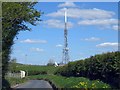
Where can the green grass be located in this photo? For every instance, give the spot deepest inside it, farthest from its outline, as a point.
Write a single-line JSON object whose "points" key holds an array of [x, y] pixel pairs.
{"points": [[33, 68], [58, 81], [72, 82], [14, 81]]}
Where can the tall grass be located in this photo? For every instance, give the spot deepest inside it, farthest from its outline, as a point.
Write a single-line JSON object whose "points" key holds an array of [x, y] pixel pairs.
{"points": [[15, 81]]}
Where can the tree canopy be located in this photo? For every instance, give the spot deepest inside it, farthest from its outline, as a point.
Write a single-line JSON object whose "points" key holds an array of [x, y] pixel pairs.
{"points": [[15, 15]]}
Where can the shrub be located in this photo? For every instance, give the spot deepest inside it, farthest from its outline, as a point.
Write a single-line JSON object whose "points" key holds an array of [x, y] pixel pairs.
{"points": [[36, 73], [104, 67]]}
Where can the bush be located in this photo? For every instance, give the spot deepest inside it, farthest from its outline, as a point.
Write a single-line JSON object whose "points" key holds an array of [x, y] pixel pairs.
{"points": [[104, 67], [36, 73]]}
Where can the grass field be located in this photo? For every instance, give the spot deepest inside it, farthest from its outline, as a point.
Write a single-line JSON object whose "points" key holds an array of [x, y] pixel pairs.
{"points": [[34, 68]]}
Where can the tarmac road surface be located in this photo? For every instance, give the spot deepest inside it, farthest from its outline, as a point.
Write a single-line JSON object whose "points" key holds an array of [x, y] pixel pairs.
{"points": [[34, 85]]}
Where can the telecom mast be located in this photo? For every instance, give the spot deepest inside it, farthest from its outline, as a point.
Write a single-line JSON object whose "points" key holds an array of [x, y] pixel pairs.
{"points": [[65, 58]]}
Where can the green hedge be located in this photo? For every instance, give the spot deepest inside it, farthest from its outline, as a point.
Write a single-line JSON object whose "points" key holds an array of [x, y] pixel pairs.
{"points": [[36, 73], [105, 67]]}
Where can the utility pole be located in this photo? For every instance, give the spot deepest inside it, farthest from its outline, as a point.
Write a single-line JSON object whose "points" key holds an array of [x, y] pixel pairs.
{"points": [[26, 59], [26, 64]]}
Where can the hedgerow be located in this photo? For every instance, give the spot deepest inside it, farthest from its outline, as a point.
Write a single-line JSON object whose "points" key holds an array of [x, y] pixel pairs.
{"points": [[102, 66]]}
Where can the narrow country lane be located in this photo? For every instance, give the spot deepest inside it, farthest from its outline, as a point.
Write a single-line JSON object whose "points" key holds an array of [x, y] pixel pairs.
{"points": [[36, 84]]}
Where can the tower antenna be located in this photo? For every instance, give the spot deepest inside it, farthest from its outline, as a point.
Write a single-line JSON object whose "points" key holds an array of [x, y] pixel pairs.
{"points": [[65, 58]]}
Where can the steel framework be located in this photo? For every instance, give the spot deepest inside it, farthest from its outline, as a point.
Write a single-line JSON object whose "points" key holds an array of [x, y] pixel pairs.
{"points": [[65, 57]]}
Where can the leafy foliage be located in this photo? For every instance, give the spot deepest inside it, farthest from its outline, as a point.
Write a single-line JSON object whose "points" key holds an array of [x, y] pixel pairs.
{"points": [[15, 17], [104, 67], [51, 62]]}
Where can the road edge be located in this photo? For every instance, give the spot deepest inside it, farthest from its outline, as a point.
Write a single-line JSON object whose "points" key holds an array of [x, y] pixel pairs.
{"points": [[54, 87]]}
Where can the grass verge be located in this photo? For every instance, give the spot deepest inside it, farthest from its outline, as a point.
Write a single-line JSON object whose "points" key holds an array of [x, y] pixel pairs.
{"points": [[71, 82], [15, 81]]}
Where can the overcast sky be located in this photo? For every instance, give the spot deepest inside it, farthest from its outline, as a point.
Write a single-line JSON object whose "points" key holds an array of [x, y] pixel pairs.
{"points": [[92, 29]]}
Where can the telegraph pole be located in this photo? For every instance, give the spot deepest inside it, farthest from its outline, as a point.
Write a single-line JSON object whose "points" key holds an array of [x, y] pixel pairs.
{"points": [[26, 59], [26, 64]]}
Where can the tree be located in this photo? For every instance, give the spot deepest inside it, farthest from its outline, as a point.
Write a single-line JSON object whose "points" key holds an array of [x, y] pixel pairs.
{"points": [[15, 15], [12, 64], [51, 62], [14, 60]]}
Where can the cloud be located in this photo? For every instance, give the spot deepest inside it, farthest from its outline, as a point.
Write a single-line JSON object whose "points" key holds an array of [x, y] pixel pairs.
{"points": [[115, 27], [59, 45], [83, 13], [33, 41], [91, 16], [91, 39], [104, 23], [54, 23], [67, 4], [107, 44], [99, 22], [37, 49]]}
